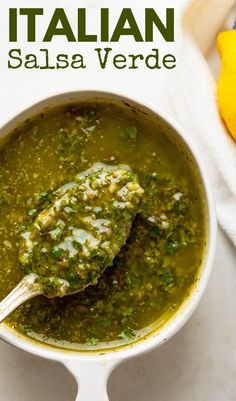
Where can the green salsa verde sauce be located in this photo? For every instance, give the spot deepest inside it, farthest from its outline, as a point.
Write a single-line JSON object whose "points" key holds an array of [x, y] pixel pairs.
{"points": [[79, 231], [156, 268]]}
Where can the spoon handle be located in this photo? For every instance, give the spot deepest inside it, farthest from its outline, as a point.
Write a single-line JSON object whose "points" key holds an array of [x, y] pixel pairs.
{"points": [[21, 293]]}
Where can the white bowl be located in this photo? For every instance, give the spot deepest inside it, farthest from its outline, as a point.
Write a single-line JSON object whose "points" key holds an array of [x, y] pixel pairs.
{"points": [[92, 369]]}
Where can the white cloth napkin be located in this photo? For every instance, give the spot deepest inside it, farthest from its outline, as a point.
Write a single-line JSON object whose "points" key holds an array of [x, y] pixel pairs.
{"points": [[193, 97]]}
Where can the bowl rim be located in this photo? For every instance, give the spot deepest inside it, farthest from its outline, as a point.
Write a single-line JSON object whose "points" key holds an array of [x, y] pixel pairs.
{"points": [[187, 308]]}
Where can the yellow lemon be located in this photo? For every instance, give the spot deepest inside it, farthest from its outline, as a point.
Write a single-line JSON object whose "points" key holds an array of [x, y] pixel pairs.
{"points": [[226, 93]]}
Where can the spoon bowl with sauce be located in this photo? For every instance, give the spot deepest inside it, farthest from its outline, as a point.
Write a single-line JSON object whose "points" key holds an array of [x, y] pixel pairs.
{"points": [[77, 235]]}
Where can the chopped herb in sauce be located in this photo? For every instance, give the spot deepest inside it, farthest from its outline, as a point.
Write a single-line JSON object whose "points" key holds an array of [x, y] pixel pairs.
{"points": [[158, 264], [68, 246]]}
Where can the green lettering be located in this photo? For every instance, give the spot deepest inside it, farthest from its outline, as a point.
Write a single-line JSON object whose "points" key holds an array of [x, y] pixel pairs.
{"points": [[78, 61], [103, 60], [17, 57], [47, 65], [167, 30], [135, 57], [82, 35], [155, 58], [104, 25], [119, 58], [169, 58], [133, 30], [62, 61], [59, 16], [13, 25], [31, 14], [31, 61]]}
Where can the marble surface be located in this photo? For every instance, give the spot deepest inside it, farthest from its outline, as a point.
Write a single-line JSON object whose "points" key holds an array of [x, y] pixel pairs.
{"points": [[198, 364]]}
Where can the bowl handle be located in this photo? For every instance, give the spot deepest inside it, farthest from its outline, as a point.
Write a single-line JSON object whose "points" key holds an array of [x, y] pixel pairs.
{"points": [[92, 378]]}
